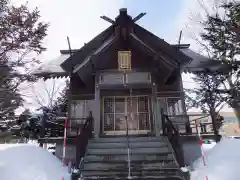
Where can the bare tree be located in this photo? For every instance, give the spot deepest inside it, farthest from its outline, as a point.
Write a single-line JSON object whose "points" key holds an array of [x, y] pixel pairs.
{"points": [[48, 92], [219, 40]]}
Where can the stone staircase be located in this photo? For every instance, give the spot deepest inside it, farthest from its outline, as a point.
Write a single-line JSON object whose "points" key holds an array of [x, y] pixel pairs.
{"points": [[150, 158]]}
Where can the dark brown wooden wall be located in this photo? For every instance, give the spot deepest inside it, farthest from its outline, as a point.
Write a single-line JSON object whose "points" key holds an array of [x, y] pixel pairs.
{"points": [[81, 91], [109, 59]]}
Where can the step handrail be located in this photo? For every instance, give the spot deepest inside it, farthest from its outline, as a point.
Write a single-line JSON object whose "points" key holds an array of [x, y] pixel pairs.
{"points": [[173, 136], [82, 139]]}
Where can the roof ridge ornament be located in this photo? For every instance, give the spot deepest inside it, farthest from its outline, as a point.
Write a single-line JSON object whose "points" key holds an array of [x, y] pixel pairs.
{"points": [[122, 12], [139, 17], [108, 19]]}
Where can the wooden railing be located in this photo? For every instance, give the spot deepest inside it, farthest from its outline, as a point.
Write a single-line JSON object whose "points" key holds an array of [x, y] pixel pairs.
{"points": [[56, 128], [82, 139], [75, 126], [173, 136], [192, 124]]}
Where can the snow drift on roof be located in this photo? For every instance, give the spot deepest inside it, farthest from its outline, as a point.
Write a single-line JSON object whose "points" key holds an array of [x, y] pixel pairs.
{"points": [[223, 162], [53, 66], [28, 162], [194, 55]]}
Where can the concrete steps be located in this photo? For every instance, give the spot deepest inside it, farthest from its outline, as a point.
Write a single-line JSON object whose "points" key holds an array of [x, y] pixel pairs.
{"points": [[139, 178], [134, 159], [132, 144], [150, 158], [130, 139], [121, 166], [121, 151], [124, 175]]}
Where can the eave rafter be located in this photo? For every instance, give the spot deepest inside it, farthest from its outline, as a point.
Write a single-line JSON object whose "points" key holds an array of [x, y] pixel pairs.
{"points": [[102, 48]]}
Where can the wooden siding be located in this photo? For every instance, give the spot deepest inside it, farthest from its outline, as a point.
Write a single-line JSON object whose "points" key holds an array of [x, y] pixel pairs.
{"points": [[138, 77], [130, 77], [111, 78], [80, 90]]}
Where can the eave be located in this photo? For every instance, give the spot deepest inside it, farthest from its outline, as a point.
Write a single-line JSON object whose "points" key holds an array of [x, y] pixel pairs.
{"points": [[163, 59], [52, 69], [46, 76], [160, 45], [87, 60], [80, 55], [201, 63]]}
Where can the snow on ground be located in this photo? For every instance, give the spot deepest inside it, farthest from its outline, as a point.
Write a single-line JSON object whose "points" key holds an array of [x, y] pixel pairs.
{"points": [[207, 147], [9, 145], [223, 162], [29, 162]]}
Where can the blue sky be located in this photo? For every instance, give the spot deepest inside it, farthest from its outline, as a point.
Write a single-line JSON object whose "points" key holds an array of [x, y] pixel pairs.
{"points": [[80, 20], [161, 17]]}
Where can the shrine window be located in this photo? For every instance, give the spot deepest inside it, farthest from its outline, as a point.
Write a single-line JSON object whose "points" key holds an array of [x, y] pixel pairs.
{"points": [[124, 60]]}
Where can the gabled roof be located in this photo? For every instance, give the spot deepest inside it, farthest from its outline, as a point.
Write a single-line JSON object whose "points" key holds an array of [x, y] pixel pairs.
{"points": [[169, 55], [164, 50], [164, 60], [160, 45], [198, 63], [103, 46], [202, 63], [79, 56]]}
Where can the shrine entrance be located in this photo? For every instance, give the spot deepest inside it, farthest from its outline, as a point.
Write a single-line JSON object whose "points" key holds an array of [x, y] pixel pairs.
{"points": [[125, 112]]}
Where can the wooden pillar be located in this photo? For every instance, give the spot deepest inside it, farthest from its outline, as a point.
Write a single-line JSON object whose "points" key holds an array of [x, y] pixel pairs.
{"points": [[161, 110], [69, 115], [186, 119], [97, 109], [156, 110], [182, 96]]}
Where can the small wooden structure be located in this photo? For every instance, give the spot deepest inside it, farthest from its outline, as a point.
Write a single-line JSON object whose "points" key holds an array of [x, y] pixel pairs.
{"points": [[130, 80]]}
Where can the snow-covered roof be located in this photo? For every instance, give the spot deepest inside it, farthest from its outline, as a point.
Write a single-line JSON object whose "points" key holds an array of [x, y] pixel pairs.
{"points": [[194, 55], [200, 62], [52, 66]]}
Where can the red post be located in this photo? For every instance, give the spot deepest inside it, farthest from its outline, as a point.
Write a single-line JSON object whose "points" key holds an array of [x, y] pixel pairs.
{"points": [[201, 146]]}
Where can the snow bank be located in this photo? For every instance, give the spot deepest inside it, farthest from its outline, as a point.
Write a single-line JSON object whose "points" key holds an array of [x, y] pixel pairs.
{"points": [[9, 145], [223, 162], [28, 162], [6, 146], [207, 147]]}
